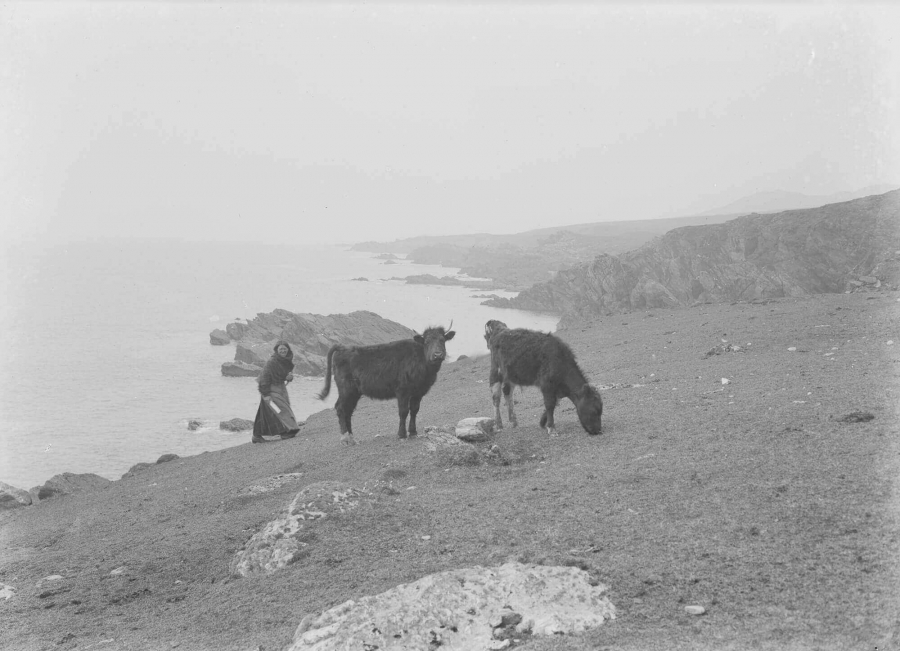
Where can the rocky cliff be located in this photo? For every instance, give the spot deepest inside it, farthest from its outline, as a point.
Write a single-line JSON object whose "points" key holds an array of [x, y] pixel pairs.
{"points": [[310, 337], [792, 253]]}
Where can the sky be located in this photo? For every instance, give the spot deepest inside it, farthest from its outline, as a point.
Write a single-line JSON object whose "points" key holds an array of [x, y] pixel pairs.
{"points": [[313, 122]]}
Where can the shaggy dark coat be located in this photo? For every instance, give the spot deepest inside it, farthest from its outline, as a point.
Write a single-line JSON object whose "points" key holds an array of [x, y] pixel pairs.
{"points": [[404, 370], [528, 358]]}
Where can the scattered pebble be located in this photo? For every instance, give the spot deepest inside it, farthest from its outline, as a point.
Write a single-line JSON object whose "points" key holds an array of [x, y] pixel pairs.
{"points": [[890, 342], [725, 380], [52, 577], [7, 592], [694, 610], [792, 348], [118, 571], [426, 537]]}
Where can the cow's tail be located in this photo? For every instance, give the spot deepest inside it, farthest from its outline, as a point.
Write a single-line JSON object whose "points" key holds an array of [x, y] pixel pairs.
{"points": [[327, 388]]}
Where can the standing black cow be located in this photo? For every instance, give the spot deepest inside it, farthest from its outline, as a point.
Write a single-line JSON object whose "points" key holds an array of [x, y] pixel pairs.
{"points": [[403, 369], [528, 358]]}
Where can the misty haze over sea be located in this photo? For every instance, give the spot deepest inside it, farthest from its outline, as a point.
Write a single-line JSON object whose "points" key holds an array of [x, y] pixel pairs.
{"points": [[108, 351]]}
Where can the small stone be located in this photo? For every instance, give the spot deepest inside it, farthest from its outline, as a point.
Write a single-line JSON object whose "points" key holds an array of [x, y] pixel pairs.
{"points": [[792, 348], [52, 577], [118, 571], [7, 592], [694, 610], [890, 342], [426, 537], [725, 380]]}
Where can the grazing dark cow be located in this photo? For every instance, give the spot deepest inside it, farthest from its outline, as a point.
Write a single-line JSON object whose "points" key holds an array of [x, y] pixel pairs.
{"points": [[403, 369], [528, 358]]}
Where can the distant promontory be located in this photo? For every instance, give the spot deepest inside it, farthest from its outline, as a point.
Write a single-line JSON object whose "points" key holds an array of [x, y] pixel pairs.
{"points": [[310, 337], [834, 248]]}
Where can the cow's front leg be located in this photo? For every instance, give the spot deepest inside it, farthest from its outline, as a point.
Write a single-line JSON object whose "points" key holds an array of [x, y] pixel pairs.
{"points": [[414, 403], [403, 409], [510, 400], [547, 416]]}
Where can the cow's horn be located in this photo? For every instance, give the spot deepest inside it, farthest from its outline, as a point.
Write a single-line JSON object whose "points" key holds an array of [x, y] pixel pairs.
{"points": [[450, 327]]}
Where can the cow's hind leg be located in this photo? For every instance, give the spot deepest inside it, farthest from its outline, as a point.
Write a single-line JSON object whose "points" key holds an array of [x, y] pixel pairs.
{"points": [[414, 403], [549, 407], [510, 401], [496, 388], [344, 406]]}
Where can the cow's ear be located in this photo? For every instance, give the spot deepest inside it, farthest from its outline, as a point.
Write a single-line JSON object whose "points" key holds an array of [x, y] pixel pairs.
{"points": [[419, 339], [449, 335]]}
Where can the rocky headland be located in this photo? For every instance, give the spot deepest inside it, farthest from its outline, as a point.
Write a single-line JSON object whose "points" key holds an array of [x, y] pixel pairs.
{"points": [[310, 337], [835, 248]]}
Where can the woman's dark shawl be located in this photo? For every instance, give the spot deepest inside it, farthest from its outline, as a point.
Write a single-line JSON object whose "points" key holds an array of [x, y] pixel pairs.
{"points": [[276, 369]]}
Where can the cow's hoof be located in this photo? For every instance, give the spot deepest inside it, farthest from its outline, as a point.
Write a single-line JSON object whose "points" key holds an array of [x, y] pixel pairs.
{"points": [[412, 434], [552, 432], [348, 441]]}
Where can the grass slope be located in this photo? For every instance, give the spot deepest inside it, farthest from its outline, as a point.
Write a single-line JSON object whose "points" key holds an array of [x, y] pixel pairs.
{"points": [[749, 498]]}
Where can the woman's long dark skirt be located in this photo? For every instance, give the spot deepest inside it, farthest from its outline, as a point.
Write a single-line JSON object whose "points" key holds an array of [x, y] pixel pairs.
{"points": [[270, 423]]}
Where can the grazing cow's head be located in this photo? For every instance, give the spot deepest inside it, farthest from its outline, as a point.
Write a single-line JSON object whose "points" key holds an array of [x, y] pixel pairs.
{"points": [[433, 339], [589, 406], [492, 327]]}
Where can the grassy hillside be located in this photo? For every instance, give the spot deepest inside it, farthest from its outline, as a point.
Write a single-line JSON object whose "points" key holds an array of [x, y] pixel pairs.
{"points": [[750, 498]]}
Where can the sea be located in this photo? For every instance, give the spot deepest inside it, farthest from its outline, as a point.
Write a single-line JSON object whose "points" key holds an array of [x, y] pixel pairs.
{"points": [[107, 352]]}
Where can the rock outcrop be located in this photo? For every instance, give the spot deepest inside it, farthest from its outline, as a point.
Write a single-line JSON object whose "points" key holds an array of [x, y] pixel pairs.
{"points": [[68, 482], [310, 337], [462, 610], [793, 253], [12, 497], [236, 425], [284, 540]]}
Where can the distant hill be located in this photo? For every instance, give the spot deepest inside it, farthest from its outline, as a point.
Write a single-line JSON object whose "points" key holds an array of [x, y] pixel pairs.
{"points": [[778, 201], [831, 248]]}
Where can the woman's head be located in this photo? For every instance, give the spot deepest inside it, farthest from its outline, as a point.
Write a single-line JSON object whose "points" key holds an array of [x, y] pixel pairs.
{"points": [[282, 349]]}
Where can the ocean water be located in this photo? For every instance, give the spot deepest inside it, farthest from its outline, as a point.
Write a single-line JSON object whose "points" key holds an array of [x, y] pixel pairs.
{"points": [[108, 353]]}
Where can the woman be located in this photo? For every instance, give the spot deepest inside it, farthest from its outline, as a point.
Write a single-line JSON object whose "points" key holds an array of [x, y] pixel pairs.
{"points": [[274, 416]]}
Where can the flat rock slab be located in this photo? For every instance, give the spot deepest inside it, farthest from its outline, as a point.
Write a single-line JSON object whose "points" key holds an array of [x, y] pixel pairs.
{"points": [[475, 429], [12, 497], [468, 609], [283, 540]]}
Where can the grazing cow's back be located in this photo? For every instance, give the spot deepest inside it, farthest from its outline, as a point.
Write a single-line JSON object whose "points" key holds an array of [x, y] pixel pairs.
{"points": [[404, 370], [529, 358]]}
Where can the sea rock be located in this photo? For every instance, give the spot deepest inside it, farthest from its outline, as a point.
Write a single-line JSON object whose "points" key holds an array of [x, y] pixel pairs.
{"points": [[68, 482], [283, 541], [236, 425], [12, 497], [310, 337], [194, 424], [240, 369], [219, 338], [459, 610], [167, 457], [473, 430]]}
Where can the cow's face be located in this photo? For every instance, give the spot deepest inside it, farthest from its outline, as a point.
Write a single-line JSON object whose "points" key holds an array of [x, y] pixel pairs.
{"points": [[433, 339], [491, 328], [589, 406]]}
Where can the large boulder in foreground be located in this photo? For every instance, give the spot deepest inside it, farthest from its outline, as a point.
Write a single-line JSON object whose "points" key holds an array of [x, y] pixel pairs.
{"points": [[68, 482], [462, 610], [310, 337]]}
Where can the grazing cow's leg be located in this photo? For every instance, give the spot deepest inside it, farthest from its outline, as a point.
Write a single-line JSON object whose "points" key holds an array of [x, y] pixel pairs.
{"points": [[403, 409], [344, 406], [508, 396], [549, 407], [495, 396], [414, 403]]}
